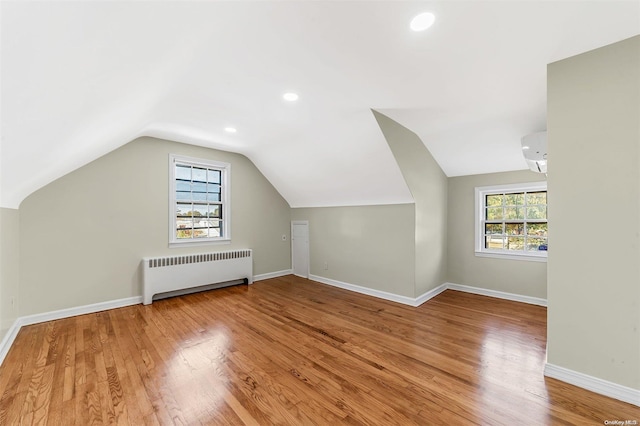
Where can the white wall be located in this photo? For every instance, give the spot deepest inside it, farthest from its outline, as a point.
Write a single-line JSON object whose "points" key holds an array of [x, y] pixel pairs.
{"points": [[511, 276], [369, 246], [594, 213], [82, 236], [428, 185], [9, 271]]}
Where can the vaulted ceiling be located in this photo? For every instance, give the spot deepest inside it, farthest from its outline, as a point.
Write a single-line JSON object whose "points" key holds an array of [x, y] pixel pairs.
{"points": [[80, 79]]}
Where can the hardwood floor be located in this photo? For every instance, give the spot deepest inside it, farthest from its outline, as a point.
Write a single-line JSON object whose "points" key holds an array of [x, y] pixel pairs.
{"points": [[291, 351]]}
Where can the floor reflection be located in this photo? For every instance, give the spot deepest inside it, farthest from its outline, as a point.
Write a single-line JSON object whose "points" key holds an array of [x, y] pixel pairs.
{"points": [[198, 371], [512, 361]]}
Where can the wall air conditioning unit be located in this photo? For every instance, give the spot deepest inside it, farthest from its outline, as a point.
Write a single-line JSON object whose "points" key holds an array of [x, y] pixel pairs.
{"points": [[534, 148]]}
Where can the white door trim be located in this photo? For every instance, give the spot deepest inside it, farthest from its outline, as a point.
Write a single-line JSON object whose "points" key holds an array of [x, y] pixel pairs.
{"points": [[300, 222]]}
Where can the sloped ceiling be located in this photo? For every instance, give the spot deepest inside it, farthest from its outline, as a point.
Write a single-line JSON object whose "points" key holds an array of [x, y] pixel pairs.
{"points": [[80, 79]]}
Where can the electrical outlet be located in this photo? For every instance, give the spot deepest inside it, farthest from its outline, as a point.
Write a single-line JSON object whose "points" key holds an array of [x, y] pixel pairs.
{"points": [[326, 265]]}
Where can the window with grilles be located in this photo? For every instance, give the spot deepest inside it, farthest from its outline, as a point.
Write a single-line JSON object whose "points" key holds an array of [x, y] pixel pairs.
{"points": [[199, 201], [512, 220]]}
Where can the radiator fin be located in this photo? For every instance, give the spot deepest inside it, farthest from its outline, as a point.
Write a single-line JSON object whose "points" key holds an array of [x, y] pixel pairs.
{"points": [[160, 262]]}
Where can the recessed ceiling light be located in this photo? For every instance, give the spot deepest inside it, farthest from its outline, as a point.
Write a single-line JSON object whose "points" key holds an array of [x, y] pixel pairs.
{"points": [[230, 129], [524, 147], [422, 21], [290, 96]]}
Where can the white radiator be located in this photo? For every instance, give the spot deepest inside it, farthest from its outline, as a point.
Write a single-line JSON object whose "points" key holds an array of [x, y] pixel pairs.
{"points": [[167, 274]]}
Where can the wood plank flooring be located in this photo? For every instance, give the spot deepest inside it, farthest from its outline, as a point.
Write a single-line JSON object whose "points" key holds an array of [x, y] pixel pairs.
{"points": [[291, 351]]}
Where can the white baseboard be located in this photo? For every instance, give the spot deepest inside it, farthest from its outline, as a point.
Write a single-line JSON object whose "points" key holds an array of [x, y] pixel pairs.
{"points": [[594, 384], [429, 294], [79, 310], [364, 290], [405, 300], [498, 294], [8, 339], [269, 275]]}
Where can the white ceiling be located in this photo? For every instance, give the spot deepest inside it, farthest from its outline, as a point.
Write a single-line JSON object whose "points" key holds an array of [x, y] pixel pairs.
{"points": [[80, 79]]}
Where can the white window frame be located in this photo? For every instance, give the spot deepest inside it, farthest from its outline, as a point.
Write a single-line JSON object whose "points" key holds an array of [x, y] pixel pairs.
{"points": [[225, 198], [480, 250]]}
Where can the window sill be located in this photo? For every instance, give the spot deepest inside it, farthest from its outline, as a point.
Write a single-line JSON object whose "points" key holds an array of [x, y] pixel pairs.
{"points": [[513, 256], [177, 244]]}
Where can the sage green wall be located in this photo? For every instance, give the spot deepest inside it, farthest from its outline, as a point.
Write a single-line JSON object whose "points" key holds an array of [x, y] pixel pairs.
{"points": [[9, 270], [370, 246], [428, 185], [594, 213], [511, 276], [82, 237]]}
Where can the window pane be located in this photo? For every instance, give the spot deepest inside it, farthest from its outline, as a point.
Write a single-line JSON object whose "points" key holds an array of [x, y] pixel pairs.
{"points": [[200, 210], [183, 196], [184, 233], [537, 198], [199, 174], [214, 211], [215, 223], [213, 196], [213, 188], [493, 228], [494, 213], [494, 200], [213, 176], [214, 232], [199, 223], [182, 185], [200, 233], [183, 172], [537, 229], [514, 199], [533, 244], [183, 209], [184, 222], [515, 228], [183, 227], [514, 213], [515, 243], [493, 242], [199, 187], [537, 212], [199, 196]]}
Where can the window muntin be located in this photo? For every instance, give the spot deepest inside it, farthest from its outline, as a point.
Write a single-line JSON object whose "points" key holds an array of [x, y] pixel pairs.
{"points": [[512, 220], [199, 201]]}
